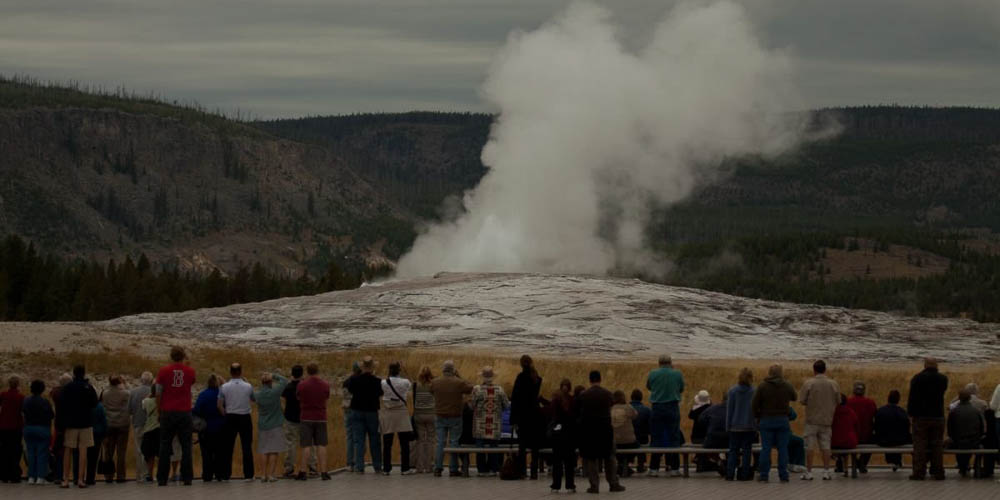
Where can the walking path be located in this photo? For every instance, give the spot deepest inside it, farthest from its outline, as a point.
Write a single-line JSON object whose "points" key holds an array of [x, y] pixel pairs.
{"points": [[883, 485]]}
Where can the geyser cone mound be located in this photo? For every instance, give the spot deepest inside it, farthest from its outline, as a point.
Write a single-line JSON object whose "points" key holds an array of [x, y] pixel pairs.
{"points": [[573, 315]]}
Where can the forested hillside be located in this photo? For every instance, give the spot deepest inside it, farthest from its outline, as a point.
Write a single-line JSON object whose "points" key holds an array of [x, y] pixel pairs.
{"points": [[900, 211]]}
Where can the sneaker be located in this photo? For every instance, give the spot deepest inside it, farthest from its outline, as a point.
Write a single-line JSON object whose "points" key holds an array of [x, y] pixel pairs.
{"points": [[570, 490], [675, 473], [385, 473], [31, 481], [483, 474], [325, 476], [42, 482], [827, 476], [617, 488], [554, 491], [895, 467], [407, 472], [784, 480], [808, 476], [653, 473], [249, 480]]}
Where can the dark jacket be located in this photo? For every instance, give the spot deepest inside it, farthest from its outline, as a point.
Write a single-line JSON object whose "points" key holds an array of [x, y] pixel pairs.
{"points": [[641, 422], [892, 426], [37, 411], [597, 439], [966, 425], [77, 401], [739, 409], [697, 428], [293, 412], [714, 419], [926, 399], [366, 391], [99, 418], [524, 409], [772, 397]]}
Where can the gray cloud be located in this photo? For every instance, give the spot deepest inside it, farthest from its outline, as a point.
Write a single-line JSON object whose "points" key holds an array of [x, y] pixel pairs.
{"points": [[296, 57]]}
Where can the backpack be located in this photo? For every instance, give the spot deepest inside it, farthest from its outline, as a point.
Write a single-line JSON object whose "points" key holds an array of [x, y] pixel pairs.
{"points": [[509, 470]]}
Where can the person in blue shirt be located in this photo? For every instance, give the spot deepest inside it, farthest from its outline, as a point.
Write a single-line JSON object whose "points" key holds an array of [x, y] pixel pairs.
{"points": [[666, 386], [206, 409], [741, 426]]}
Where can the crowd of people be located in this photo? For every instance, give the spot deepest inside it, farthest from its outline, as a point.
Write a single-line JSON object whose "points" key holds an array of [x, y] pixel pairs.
{"points": [[76, 433]]}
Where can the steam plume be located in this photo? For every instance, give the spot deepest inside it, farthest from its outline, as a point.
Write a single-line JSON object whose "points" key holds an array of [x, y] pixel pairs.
{"points": [[592, 136]]}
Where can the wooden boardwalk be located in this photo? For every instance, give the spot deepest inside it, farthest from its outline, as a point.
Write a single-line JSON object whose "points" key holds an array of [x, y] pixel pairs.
{"points": [[882, 485]]}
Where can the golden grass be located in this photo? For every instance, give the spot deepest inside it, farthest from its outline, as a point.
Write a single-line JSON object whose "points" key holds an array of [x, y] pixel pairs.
{"points": [[713, 376]]}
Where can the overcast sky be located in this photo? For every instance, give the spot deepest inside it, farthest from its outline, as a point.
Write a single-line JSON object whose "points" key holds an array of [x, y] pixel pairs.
{"points": [[286, 58]]}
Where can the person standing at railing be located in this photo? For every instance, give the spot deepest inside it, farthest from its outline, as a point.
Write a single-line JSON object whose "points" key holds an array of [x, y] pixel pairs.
{"points": [[234, 405], [925, 407], [526, 416], [488, 403], [138, 416], [11, 431], [394, 419], [313, 393], [821, 396], [771, 407], [966, 429], [115, 399], [597, 438], [741, 426], [666, 385], [366, 392], [270, 423], [563, 435], [449, 390], [424, 418]]}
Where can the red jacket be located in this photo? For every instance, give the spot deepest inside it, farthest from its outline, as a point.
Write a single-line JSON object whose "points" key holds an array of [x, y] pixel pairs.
{"points": [[845, 428], [10, 410], [865, 409]]}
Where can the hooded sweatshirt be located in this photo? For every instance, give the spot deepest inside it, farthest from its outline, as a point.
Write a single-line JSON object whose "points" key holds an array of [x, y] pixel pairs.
{"points": [[772, 397], [739, 411]]}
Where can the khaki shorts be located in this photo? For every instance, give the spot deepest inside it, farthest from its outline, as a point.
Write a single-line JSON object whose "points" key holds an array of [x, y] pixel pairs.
{"points": [[79, 438], [817, 436]]}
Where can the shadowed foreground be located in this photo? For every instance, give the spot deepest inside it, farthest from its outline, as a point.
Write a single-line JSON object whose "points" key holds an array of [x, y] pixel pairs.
{"points": [[878, 484]]}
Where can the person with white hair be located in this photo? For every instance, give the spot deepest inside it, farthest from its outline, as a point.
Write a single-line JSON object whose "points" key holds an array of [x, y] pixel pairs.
{"points": [[701, 402], [666, 386], [135, 397], [973, 389]]}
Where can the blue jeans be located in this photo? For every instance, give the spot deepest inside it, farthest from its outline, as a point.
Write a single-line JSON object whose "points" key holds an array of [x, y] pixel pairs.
{"points": [[449, 431], [774, 433], [486, 463], [37, 439], [365, 423], [740, 449], [664, 427], [349, 438]]}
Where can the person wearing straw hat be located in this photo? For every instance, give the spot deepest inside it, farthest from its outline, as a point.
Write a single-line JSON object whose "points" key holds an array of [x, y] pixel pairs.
{"points": [[488, 402]]}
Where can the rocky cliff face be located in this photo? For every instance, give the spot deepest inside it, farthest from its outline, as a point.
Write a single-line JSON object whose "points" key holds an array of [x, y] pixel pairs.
{"points": [[104, 182]]}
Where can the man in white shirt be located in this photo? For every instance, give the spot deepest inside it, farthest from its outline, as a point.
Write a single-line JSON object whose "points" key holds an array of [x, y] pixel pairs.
{"points": [[234, 404]]}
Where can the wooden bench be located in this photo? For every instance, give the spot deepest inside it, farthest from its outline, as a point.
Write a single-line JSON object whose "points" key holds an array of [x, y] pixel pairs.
{"points": [[905, 450]]}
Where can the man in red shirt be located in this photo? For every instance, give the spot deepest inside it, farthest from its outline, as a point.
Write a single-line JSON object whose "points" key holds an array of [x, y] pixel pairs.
{"points": [[313, 393], [865, 409], [11, 424], [173, 397]]}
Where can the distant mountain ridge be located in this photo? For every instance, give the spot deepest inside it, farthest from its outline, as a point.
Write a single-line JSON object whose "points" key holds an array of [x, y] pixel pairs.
{"points": [[96, 175]]}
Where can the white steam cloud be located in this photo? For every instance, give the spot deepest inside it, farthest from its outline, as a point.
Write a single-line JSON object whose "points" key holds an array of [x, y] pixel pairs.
{"points": [[591, 137]]}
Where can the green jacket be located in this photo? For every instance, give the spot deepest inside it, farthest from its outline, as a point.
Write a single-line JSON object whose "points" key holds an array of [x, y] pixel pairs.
{"points": [[268, 400], [665, 385], [772, 398]]}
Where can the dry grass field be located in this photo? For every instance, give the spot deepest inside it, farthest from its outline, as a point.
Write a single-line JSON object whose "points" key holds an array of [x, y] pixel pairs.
{"points": [[714, 376]]}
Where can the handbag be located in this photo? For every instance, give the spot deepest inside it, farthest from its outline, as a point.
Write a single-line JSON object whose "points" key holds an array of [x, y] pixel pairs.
{"points": [[198, 424]]}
